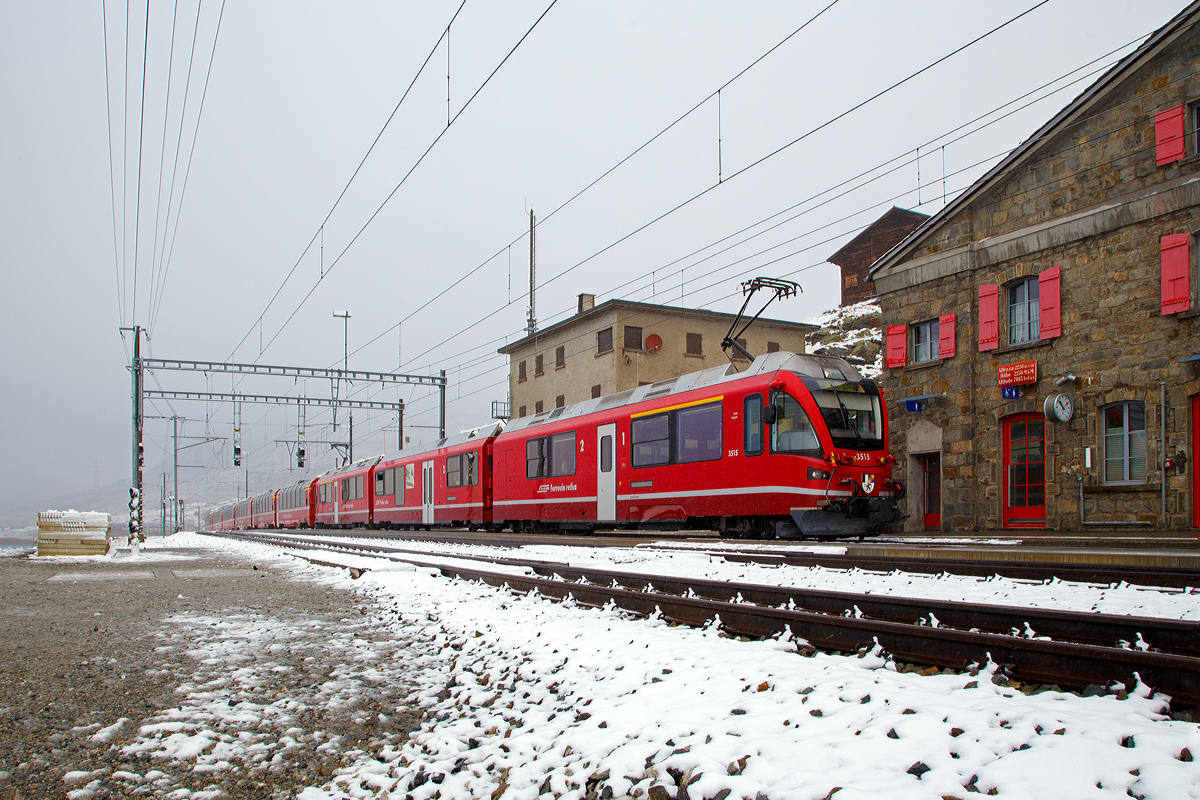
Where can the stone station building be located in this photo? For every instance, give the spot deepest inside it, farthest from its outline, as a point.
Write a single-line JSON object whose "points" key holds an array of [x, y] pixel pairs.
{"points": [[1042, 344]]}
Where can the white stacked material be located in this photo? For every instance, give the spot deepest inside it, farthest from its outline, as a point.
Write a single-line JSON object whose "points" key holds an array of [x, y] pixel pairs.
{"points": [[73, 533]]}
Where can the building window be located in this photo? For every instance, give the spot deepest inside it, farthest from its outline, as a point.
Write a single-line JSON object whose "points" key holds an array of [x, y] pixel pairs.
{"points": [[520, 412], [604, 341], [1125, 442], [694, 342], [560, 357], [521, 372], [1024, 324], [737, 354], [537, 365], [560, 401], [537, 407], [925, 341], [772, 347], [633, 338], [596, 391]]}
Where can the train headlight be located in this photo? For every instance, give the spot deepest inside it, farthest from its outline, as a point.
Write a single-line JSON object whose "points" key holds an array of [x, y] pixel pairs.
{"points": [[815, 474]]}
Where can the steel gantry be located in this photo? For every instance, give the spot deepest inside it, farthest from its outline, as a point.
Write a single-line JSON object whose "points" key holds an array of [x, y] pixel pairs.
{"points": [[139, 393]]}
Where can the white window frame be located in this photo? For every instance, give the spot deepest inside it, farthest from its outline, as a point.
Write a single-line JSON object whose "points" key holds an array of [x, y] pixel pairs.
{"points": [[1130, 441], [925, 340], [1027, 329]]}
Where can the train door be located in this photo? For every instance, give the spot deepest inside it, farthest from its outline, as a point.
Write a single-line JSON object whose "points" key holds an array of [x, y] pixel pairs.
{"points": [[606, 473], [427, 492], [1025, 471], [932, 463]]}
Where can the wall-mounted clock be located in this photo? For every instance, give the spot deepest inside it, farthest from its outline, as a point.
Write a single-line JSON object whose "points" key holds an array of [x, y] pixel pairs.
{"points": [[1059, 408]]}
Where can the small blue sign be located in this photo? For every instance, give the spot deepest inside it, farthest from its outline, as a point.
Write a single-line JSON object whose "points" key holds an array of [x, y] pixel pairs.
{"points": [[1010, 392], [913, 405]]}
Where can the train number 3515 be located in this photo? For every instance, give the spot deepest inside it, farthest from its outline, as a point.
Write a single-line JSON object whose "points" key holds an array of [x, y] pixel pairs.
{"points": [[733, 453]]}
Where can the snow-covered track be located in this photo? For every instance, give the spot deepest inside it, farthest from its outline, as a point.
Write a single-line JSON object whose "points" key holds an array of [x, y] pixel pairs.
{"points": [[935, 633], [1023, 568]]}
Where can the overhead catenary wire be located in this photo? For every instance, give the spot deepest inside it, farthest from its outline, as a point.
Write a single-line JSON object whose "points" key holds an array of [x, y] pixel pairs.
{"points": [[735, 174], [907, 160], [411, 170]]}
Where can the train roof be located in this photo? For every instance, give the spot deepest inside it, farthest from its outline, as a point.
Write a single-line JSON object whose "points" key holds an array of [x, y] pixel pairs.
{"points": [[362, 463], [481, 433], [805, 364]]}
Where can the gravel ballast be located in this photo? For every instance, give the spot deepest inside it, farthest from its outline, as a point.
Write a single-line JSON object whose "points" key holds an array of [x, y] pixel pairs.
{"points": [[189, 673]]}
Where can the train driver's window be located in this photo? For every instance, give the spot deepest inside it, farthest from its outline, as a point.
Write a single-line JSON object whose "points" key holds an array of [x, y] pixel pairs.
{"points": [[651, 440], [793, 432], [753, 422]]}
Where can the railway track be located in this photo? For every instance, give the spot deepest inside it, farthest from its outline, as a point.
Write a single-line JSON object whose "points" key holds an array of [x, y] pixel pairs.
{"points": [[1042, 646], [1014, 565]]}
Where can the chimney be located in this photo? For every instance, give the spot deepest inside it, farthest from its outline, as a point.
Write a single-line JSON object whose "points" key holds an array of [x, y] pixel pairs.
{"points": [[586, 302]]}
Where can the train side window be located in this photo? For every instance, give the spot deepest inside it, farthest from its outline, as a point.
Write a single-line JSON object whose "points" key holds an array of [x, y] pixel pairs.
{"points": [[650, 439], [562, 454], [698, 433], [753, 412], [398, 483], [454, 477], [410, 476], [472, 472], [535, 458], [606, 447], [345, 489], [793, 432], [380, 482]]}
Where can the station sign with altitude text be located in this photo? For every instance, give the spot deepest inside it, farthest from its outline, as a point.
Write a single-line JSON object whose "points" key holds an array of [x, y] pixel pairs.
{"points": [[1018, 374]]}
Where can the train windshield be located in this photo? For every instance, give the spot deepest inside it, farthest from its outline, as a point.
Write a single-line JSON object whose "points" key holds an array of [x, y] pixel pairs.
{"points": [[851, 411]]}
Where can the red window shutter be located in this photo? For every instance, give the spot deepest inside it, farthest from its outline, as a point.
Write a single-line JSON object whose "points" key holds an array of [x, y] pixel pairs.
{"points": [[1176, 266], [897, 345], [1168, 135], [989, 317], [1050, 302], [946, 335]]}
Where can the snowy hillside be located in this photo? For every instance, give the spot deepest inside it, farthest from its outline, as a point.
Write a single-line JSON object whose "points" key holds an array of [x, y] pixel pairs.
{"points": [[855, 331]]}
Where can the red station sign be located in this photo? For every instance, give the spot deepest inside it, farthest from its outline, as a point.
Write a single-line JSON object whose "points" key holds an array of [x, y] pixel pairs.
{"points": [[1018, 374]]}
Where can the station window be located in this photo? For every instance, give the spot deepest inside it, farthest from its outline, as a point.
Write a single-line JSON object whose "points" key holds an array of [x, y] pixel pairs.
{"points": [[694, 344], [520, 412], [596, 391], [560, 357], [521, 372], [1125, 442], [537, 407], [1024, 323], [537, 365], [560, 401], [604, 341], [925, 341], [738, 355], [633, 338]]}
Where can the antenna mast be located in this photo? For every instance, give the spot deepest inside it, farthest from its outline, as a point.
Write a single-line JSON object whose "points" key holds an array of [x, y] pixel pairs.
{"points": [[531, 328]]}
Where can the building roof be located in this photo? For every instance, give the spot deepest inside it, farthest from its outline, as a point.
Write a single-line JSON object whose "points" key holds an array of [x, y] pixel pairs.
{"points": [[893, 219], [614, 305], [1076, 109]]}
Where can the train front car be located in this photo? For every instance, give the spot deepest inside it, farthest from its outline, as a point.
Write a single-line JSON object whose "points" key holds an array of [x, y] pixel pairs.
{"points": [[827, 428]]}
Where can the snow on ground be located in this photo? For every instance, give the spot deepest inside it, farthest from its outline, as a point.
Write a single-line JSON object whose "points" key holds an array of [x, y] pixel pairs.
{"points": [[524, 696]]}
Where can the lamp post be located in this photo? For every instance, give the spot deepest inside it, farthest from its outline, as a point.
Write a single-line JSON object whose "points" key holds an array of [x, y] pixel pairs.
{"points": [[345, 317]]}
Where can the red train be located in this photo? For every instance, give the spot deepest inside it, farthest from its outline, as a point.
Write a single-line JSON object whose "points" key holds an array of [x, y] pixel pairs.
{"points": [[794, 446]]}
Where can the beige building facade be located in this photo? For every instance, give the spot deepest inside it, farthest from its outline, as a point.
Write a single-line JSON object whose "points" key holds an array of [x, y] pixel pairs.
{"points": [[620, 345]]}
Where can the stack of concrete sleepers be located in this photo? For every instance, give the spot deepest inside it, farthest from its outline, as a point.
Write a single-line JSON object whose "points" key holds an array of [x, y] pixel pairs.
{"points": [[73, 533]]}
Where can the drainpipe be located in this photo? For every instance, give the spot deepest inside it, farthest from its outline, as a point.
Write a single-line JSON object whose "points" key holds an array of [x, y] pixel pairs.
{"points": [[1162, 455]]}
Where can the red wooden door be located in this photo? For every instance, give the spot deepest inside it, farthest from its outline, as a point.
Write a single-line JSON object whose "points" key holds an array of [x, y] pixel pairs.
{"points": [[933, 489], [1025, 471]]}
